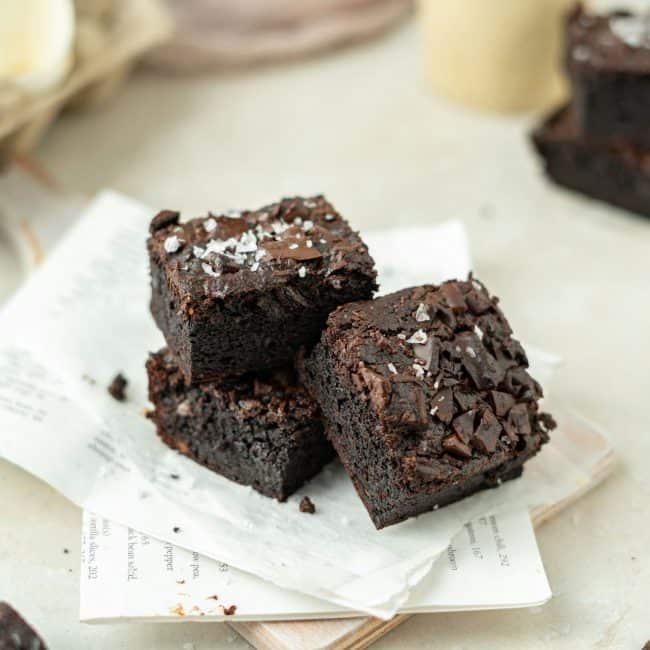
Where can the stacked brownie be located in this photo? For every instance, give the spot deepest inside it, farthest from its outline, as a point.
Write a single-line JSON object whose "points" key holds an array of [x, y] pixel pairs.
{"points": [[236, 295], [599, 144], [423, 394]]}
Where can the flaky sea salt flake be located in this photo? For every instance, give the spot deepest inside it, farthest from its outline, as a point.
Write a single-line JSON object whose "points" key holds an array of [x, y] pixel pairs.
{"points": [[419, 338], [421, 313], [172, 244]]}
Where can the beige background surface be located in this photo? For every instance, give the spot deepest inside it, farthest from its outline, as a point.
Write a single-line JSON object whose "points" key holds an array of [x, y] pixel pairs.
{"points": [[362, 127]]}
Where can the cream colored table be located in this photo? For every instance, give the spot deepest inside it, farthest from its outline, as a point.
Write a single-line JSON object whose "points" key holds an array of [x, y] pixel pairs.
{"points": [[361, 126]]}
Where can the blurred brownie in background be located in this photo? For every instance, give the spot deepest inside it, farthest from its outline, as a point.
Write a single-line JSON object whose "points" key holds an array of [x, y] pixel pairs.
{"points": [[608, 61], [614, 171]]}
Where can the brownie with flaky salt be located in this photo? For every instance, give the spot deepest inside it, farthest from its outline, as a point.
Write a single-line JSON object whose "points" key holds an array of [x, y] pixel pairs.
{"points": [[426, 396], [608, 61], [242, 291]]}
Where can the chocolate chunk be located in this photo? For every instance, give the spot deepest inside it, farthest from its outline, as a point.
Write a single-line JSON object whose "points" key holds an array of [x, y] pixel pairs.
{"points": [[520, 419], [163, 219], [520, 384], [503, 402], [16, 633], [466, 401], [463, 425], [479, 363], [407, 409], [227, 227], [229, 611], [306, 505], [454, 445], [117, 387], [478, 302], [379, 388], [486, 436], [431, 470], [443, 403], [292, 250], [451, 292]]}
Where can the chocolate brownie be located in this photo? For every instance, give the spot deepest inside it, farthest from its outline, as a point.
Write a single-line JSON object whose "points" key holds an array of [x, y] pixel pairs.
{"points": [[259, 430], [241, 292], [426, 396], [616, 172], [16, 633], [608, 61]]}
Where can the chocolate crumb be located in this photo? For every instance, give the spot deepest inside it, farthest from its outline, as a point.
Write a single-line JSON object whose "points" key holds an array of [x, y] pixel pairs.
{"points": [[163, 219], [174, 476], [117, 387], [213, 597], [176, 529], [15, 632], [306, 505], [66, 551], [229, 611]]}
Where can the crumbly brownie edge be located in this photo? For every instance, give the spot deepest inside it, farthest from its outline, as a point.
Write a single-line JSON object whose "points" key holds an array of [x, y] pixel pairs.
{"points": [[299, 452]]}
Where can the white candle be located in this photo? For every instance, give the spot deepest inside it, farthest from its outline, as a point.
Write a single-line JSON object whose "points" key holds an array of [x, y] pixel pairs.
{"points": [[502, 55]]}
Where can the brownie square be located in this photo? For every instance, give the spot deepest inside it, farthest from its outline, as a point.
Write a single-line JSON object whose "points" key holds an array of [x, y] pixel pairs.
{"points": [[16, 633], [242, 292], [608, 61], [426, 396], [615, 172], [260, 430]]}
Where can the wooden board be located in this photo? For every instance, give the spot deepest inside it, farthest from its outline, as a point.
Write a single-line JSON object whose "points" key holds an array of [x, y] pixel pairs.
{"points": [[580, 441]]}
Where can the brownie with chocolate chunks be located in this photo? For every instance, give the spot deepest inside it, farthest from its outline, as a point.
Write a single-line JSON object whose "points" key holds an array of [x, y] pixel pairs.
{"points": [[243, 291], [262, 430], [426, 396], [16, 633], [608, 62], [614, 171]]}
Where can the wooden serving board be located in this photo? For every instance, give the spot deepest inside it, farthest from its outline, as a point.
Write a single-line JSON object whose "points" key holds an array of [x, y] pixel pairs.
{"points": [[580, 441]]}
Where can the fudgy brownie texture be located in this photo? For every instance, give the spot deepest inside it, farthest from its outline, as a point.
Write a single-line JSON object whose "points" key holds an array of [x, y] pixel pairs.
{"points": [[426, 396], [608, 61], [16, 633], [242, 292], [259, 430], [615, 172]]}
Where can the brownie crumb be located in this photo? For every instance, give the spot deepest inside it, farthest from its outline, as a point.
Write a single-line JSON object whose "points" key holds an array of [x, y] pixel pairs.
{"points": [[174, 476], [229, 611], [213, 597], [306, 505], [163, 219], [117, 387], [15, 632], [176, 529]]}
